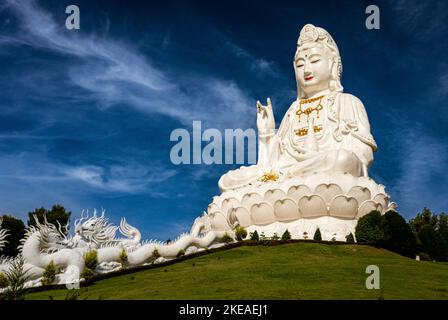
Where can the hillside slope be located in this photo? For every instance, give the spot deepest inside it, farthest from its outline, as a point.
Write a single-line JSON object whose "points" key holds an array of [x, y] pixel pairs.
{"points": [[289, 271]]}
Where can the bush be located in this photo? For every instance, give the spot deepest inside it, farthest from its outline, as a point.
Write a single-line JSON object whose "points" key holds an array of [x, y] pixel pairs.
{"points": [[430, 242], [349, 238], [180, 253], [3, 280], [368, 230], [286, 235], [87, 273], [254, 236], [16, 277], [317, 235], [91, 260], [262, 236], [275, 237], [424, 257], [123, 257], [240, 233], [226, 238], [49, 274], [398, 235]]}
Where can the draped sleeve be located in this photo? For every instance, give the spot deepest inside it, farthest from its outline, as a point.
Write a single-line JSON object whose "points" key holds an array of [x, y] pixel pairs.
{"points": [[354, 128]]}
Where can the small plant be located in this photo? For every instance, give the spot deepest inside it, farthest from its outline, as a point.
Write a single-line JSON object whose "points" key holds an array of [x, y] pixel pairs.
{"points": [[262, 236], [3, 280], [334, 237], [91, 260], [286, 235], [254, 236], [226, 238], [275, 237], [16, 277], [349, 238], [123, 257], [305, 235], [317, 235], [180, 253], [240, 233], [49, 274], [155, 255], [87, 273]]}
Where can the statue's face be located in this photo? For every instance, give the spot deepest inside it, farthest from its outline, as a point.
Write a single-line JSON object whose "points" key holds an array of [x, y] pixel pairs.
{"points": [[313, 67]]}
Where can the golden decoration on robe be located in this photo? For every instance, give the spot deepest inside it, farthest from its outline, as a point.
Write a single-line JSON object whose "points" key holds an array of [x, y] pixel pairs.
{"points": [[269, 176], [308, 111], [304, 131]]}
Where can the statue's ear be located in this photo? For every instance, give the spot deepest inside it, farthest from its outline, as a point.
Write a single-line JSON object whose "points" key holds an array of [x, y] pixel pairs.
{"points": [[336, 71]]}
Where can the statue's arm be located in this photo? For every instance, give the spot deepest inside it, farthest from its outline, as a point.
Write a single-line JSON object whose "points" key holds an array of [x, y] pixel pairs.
{"points": [[355, 127], [267, 147]]}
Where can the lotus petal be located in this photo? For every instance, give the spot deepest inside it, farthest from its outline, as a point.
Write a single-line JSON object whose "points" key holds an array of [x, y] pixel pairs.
{"points": [[212, 207], [270, 196], [243, 216], [382, 199], [262, 213], [312, 206], [361, 194], [228, 204], [250, 199], [219, 222], [328, 191], [343, 207], [297, 192], [286, 210], [367, 207]]}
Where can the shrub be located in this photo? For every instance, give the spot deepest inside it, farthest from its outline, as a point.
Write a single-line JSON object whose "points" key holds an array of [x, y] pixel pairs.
{"points": [[49, 274], [16, 277], [430, 242], [398, 235], [286, 235], [262, 236], [368, 230], [87, 273], [317, 235], [155, 254], [180, 253], [3, 280], [91, 260], [275, 237], [226, 238], [123, 257], [349, 238], [254, 236], [240, 233], [305, 235], [424, 257]]}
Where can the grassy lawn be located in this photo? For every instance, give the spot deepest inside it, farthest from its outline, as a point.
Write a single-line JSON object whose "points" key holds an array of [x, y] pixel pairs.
{"points": [[290, 271]]}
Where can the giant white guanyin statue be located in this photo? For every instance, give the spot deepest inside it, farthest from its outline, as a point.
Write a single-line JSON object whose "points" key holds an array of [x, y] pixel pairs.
{"points": [[313, 171]]}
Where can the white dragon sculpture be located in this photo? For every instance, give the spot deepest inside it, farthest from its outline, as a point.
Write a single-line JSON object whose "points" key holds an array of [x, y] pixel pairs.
{"points": [[45, 243]]}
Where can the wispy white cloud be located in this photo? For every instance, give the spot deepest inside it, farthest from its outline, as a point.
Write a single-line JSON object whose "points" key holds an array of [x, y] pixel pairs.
{"points": [[421, 180], [114, 72]]}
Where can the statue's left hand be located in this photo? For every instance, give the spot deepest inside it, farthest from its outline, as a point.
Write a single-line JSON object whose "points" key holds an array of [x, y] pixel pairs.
{"points": [[265, 118]]}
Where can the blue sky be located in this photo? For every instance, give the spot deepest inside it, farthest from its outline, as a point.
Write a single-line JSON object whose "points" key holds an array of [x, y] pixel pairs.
{"points": [[86, 115]]}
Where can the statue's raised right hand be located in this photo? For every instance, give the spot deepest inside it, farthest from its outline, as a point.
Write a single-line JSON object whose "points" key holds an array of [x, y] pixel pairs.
{"points": [[265, 118]]}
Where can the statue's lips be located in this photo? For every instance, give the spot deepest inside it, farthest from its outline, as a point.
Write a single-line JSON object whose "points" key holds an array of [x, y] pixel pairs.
{"points": [[309, 78]]}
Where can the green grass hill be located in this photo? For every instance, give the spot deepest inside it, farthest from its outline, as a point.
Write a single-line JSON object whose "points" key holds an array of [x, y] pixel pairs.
{"points": [[289, 271]]}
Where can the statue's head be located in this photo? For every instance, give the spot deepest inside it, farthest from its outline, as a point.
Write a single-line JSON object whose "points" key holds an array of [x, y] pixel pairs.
{"points": [[317, 62]]}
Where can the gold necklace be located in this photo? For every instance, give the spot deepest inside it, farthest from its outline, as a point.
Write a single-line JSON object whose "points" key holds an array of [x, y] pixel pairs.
{"points": [[309, 110]]}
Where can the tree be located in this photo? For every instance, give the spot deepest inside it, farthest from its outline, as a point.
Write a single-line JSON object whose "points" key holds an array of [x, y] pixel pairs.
{"points": [[16, 232], [426, 217], [286, 235], [430, 242], [349, 238], [368, 230], [397, 234], [254, 236], [317, 235], [57, 214]]}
